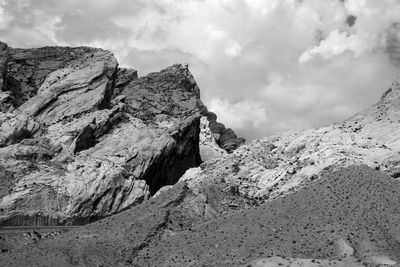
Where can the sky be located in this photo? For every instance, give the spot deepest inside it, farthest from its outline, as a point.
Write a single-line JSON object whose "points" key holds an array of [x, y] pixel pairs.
{"points": [[263, 66]]}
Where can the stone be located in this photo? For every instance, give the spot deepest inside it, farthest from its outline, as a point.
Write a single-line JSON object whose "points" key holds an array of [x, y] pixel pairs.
{"points": [[277, 165], [209, 148], [225, 137], [27, 69], [82, 139], [4, 58], [83, 85]]}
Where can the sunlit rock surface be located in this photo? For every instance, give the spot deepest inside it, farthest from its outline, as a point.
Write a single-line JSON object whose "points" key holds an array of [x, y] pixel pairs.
{"points": [[319, 197], [81, 138], [280, 164], [209, 148]]}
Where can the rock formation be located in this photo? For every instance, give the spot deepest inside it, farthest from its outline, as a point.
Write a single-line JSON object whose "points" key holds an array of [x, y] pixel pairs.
{"points": [[81, 138], [225, 137], [276, 165], [209, 148], [319, 197]]}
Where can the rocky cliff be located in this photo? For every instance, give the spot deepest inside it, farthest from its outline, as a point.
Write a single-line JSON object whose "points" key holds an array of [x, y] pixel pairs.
{"points": [[81, 138], [320, 197]]}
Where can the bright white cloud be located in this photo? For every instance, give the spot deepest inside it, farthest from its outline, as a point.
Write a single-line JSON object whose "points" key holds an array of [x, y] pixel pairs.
{"points": [[373, 20], [335, 44], [262, 66]]}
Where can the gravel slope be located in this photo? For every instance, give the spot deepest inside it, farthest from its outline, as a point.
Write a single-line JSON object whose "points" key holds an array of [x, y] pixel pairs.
{"points": [[350, 215]]}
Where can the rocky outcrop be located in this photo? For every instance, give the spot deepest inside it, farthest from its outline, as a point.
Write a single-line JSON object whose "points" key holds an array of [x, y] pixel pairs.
{"points": [[277, 165], [81, 139], [209, 148], [4, 57], [224, 137]]}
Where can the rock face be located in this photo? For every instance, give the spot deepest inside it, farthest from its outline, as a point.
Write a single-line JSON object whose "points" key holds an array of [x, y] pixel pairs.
{"points": [[224, 137], [209, 148], [81, 139], [280, 164]]}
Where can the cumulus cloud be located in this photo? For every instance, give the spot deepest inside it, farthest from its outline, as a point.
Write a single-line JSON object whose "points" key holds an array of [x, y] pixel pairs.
{"points": [[368, 23], [262, 66], [335, 44]]}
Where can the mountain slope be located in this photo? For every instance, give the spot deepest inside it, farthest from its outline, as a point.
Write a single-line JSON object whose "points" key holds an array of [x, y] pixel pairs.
{"points": [[280, 164], [349, 215]]}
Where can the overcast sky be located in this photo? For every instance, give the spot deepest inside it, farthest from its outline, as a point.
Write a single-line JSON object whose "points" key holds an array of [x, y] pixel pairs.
{"points": [[264, 66]]}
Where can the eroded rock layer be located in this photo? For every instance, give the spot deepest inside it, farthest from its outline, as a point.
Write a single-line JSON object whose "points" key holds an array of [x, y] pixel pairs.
{"points": [[81, 139], [225, 137]]}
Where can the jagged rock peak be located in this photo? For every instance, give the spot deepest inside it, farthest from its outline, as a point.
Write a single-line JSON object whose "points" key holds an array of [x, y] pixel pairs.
{"points": [[81, 138]]}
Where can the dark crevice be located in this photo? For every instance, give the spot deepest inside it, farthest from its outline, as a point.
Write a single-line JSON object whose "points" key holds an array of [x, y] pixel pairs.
{"points": [[173, 163], [106, 103], [85, 140]]}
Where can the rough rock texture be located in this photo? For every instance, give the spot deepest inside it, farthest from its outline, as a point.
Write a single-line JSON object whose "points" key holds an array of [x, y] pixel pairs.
{"points": [[320, 197], [280, 164], [4, 57], [81, 139], [348, 217], [209, 148], [225, 137]]}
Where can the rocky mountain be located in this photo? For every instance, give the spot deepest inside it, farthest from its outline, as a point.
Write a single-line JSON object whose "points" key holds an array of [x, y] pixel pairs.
{"points": [[277, 165], [319, 197], [81, 138]]}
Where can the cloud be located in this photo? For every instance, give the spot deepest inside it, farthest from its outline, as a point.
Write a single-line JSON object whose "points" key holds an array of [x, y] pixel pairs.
{"points": [[262, 66], [335, 44], [151, 61], [241, 115], [367, 23]]}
